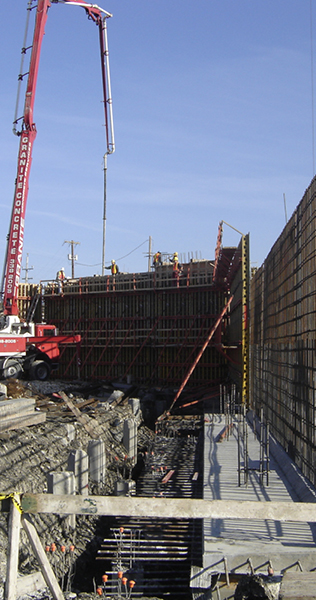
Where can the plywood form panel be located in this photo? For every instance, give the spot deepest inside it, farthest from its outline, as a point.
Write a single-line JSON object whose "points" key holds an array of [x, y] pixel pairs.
{"points": [[163, 329]]}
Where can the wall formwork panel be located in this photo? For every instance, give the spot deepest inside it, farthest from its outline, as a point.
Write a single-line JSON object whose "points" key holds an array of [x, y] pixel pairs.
{"points": [[148, 327], [283, 336]]}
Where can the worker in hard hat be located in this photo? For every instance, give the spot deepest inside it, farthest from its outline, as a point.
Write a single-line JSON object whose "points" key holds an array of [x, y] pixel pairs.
{"points": [[60, 277], [177, 268], [114, 267], [157, 259], [174, 258]]}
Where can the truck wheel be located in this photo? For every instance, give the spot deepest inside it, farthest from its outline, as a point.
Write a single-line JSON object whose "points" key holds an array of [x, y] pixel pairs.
{"points": [[40, 370], [13, 368]]}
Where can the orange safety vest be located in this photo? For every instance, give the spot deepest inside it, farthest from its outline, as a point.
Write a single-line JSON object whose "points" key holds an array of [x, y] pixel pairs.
{"points": [[114, 269]]}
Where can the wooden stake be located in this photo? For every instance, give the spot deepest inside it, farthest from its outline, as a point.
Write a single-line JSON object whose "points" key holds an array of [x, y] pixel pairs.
{"points": [[38, 550], [13, 550]]}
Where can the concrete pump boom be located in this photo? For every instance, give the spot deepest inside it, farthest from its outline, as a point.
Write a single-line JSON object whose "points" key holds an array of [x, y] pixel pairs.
{"points": [[13, 261]]}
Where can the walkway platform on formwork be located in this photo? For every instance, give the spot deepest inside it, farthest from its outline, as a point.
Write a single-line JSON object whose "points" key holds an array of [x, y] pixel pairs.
{"points": [[245, 546]]}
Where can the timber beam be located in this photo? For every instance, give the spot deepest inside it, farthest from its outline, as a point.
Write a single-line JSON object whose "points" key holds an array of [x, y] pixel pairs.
{"points": [[164, 508]]}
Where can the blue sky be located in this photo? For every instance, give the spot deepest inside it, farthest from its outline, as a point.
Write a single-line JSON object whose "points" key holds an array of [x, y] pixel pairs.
{"points": [[212, 104]]}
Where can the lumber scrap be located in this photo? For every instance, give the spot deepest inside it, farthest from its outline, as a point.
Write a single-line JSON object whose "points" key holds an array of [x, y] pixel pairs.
{"points": [[13, 407], [24, 420], [13, 550], [94, 430], [38, 550], [28, 584]]}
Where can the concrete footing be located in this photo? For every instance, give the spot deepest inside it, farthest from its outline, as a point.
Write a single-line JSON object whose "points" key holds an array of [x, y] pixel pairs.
{"points": [[97, 460], [134, 403], [62, 482], [124, 488], [130, 439], [78, 463]]}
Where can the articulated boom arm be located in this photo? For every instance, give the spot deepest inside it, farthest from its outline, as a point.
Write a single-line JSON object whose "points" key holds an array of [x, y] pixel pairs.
{"points": [[16, 234], [13, 262], [99, 16]]}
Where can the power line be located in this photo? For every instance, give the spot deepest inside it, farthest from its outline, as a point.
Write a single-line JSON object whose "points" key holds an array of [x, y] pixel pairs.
{"points": [[131, 252]]}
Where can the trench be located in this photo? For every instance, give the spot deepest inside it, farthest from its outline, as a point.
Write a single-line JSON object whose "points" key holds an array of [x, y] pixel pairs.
{"points": [[156, 554]]}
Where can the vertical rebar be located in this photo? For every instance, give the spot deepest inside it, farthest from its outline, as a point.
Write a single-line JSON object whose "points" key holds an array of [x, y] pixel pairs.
{"points": [[239, 448], [226, 571], [268, 452], [261, 461], [246, 447]]}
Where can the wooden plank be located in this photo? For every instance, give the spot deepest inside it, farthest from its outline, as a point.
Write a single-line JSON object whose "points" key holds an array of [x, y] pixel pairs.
{"points": [[13, 551], [35, 418], [31, 583], [93, 430], [43, 561], [12, 407], [177, 508], [29, 410]]}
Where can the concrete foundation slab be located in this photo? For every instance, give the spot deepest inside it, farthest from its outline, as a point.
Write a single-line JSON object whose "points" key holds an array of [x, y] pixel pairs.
{"points": [[250, 543], [298, 586]]}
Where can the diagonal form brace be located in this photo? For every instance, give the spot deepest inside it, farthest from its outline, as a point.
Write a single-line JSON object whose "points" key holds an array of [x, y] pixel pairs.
{"points": [[48, 576], [206, 343]]}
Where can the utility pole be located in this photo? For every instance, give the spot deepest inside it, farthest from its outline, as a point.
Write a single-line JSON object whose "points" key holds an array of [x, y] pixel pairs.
{"points": [[27, 269], [149, 253], [72, 256]]}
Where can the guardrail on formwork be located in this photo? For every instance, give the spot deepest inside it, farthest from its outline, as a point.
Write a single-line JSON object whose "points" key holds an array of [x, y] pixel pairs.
{"points": [[199, 274]]}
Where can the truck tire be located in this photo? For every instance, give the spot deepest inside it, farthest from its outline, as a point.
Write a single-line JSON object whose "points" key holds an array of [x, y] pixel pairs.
{"points": [[40, 370], [12, 368]]}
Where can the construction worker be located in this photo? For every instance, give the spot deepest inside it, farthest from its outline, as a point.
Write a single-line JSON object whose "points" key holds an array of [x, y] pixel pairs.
{"points": [[60, 280], [157, 259], [174, 258], [177, 268], [114, 267]]}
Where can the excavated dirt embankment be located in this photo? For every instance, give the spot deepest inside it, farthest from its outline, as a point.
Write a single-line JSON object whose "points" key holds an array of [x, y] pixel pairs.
{"points": [[29, 454]]}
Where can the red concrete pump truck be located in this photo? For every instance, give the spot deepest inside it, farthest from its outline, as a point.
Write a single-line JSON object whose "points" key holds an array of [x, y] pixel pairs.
{"points": [[26, 347]]}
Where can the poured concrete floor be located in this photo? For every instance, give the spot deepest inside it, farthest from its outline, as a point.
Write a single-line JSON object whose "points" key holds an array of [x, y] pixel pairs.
{"points": [[243, 546]]}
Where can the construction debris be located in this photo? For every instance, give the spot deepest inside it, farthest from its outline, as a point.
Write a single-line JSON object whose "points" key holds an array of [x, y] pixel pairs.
{"points": [[258, 587]]}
